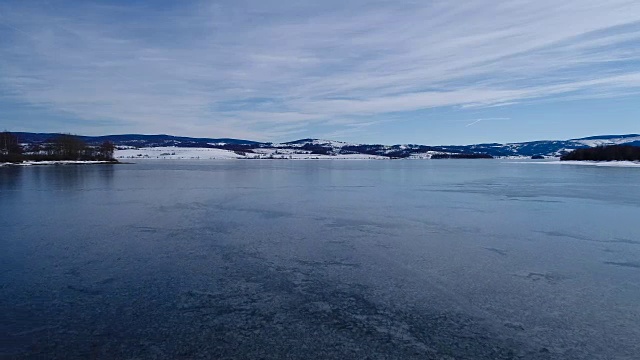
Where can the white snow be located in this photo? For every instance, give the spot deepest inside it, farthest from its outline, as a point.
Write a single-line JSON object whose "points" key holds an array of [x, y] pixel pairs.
{"points": [[583, 163], [513, 157], [612, 141], [339, 157], [275, 152], [426, 155], [332, 143], [172, 152]]}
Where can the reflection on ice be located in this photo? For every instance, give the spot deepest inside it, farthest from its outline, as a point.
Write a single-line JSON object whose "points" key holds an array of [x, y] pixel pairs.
{"points": [[383, 259]]}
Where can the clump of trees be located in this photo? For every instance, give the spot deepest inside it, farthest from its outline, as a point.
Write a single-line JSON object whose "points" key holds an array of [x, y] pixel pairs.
{"points": [[10, 149], [605, 153], [61, 147], [317, 149]]}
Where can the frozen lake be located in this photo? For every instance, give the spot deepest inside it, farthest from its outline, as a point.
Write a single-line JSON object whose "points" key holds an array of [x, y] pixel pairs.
{"points": [[440, 259]]}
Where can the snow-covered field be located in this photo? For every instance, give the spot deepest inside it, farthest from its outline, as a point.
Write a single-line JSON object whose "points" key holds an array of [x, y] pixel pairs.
{"points": [[172, 152]]}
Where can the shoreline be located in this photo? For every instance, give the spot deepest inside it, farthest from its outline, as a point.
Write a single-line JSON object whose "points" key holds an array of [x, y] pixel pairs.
{"points": [[612, 163], [61, 162]]}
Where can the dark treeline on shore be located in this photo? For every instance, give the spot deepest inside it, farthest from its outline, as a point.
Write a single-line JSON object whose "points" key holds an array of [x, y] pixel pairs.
{"points": [[605, 153], [59, 147]]}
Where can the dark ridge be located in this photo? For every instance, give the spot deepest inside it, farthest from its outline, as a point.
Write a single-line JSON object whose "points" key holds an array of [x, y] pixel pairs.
{"points": [[605, 153], [139, 140]]}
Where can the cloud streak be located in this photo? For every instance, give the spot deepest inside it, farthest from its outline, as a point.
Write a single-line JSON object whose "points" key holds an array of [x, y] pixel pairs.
{"points": [[484, 119], [270, 70]]}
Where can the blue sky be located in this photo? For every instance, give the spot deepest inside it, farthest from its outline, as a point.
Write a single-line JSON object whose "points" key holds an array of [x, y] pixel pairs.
{"points": [[431, 72]]}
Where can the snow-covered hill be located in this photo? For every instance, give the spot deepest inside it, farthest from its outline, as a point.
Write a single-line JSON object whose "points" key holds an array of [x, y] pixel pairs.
{"points": [[172, 147], [633, 139], [173, 152]]}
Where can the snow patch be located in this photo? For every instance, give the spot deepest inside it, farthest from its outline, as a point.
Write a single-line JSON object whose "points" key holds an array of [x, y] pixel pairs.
{"points": [[174, 152], [604, 142]]}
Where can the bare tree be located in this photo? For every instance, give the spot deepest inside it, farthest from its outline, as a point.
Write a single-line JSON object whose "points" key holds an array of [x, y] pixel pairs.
{"points": [[106, 150], [10, 149], [68, 147]]}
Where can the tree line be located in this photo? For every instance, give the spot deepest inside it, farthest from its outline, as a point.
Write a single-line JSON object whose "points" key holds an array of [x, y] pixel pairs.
{"points": [[60, 147], [605, 153]]}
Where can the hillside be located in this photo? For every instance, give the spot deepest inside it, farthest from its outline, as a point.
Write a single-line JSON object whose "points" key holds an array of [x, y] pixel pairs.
{"points": [[238, 148]]}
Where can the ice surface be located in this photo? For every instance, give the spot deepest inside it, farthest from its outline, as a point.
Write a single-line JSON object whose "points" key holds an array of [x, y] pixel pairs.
{"points": [[450, 259]]}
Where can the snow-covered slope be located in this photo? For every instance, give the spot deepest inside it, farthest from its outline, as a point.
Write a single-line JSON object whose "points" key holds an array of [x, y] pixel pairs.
{"points": [[172, 152], [547, 148], [316, 142], [608, 140], [172, 147]]}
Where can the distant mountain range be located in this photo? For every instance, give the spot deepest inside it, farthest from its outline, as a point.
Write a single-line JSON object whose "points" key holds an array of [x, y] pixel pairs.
{"points": [[546, 148]]}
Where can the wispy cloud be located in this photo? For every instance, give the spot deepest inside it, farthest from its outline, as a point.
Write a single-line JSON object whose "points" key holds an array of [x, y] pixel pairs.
{"points": [[270, 69], [475, 121]]}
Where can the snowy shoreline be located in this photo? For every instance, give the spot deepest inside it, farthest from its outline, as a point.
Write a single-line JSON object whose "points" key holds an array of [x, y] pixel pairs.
{"points": [[59, 162], [584, 163]]}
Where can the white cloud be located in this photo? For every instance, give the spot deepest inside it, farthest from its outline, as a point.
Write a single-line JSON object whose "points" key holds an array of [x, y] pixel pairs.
{"points": [[268, 69]]}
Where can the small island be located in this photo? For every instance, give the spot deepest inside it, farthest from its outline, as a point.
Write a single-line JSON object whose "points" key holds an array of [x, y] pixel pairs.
{"points": [[60, 149], [604, 153]]}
